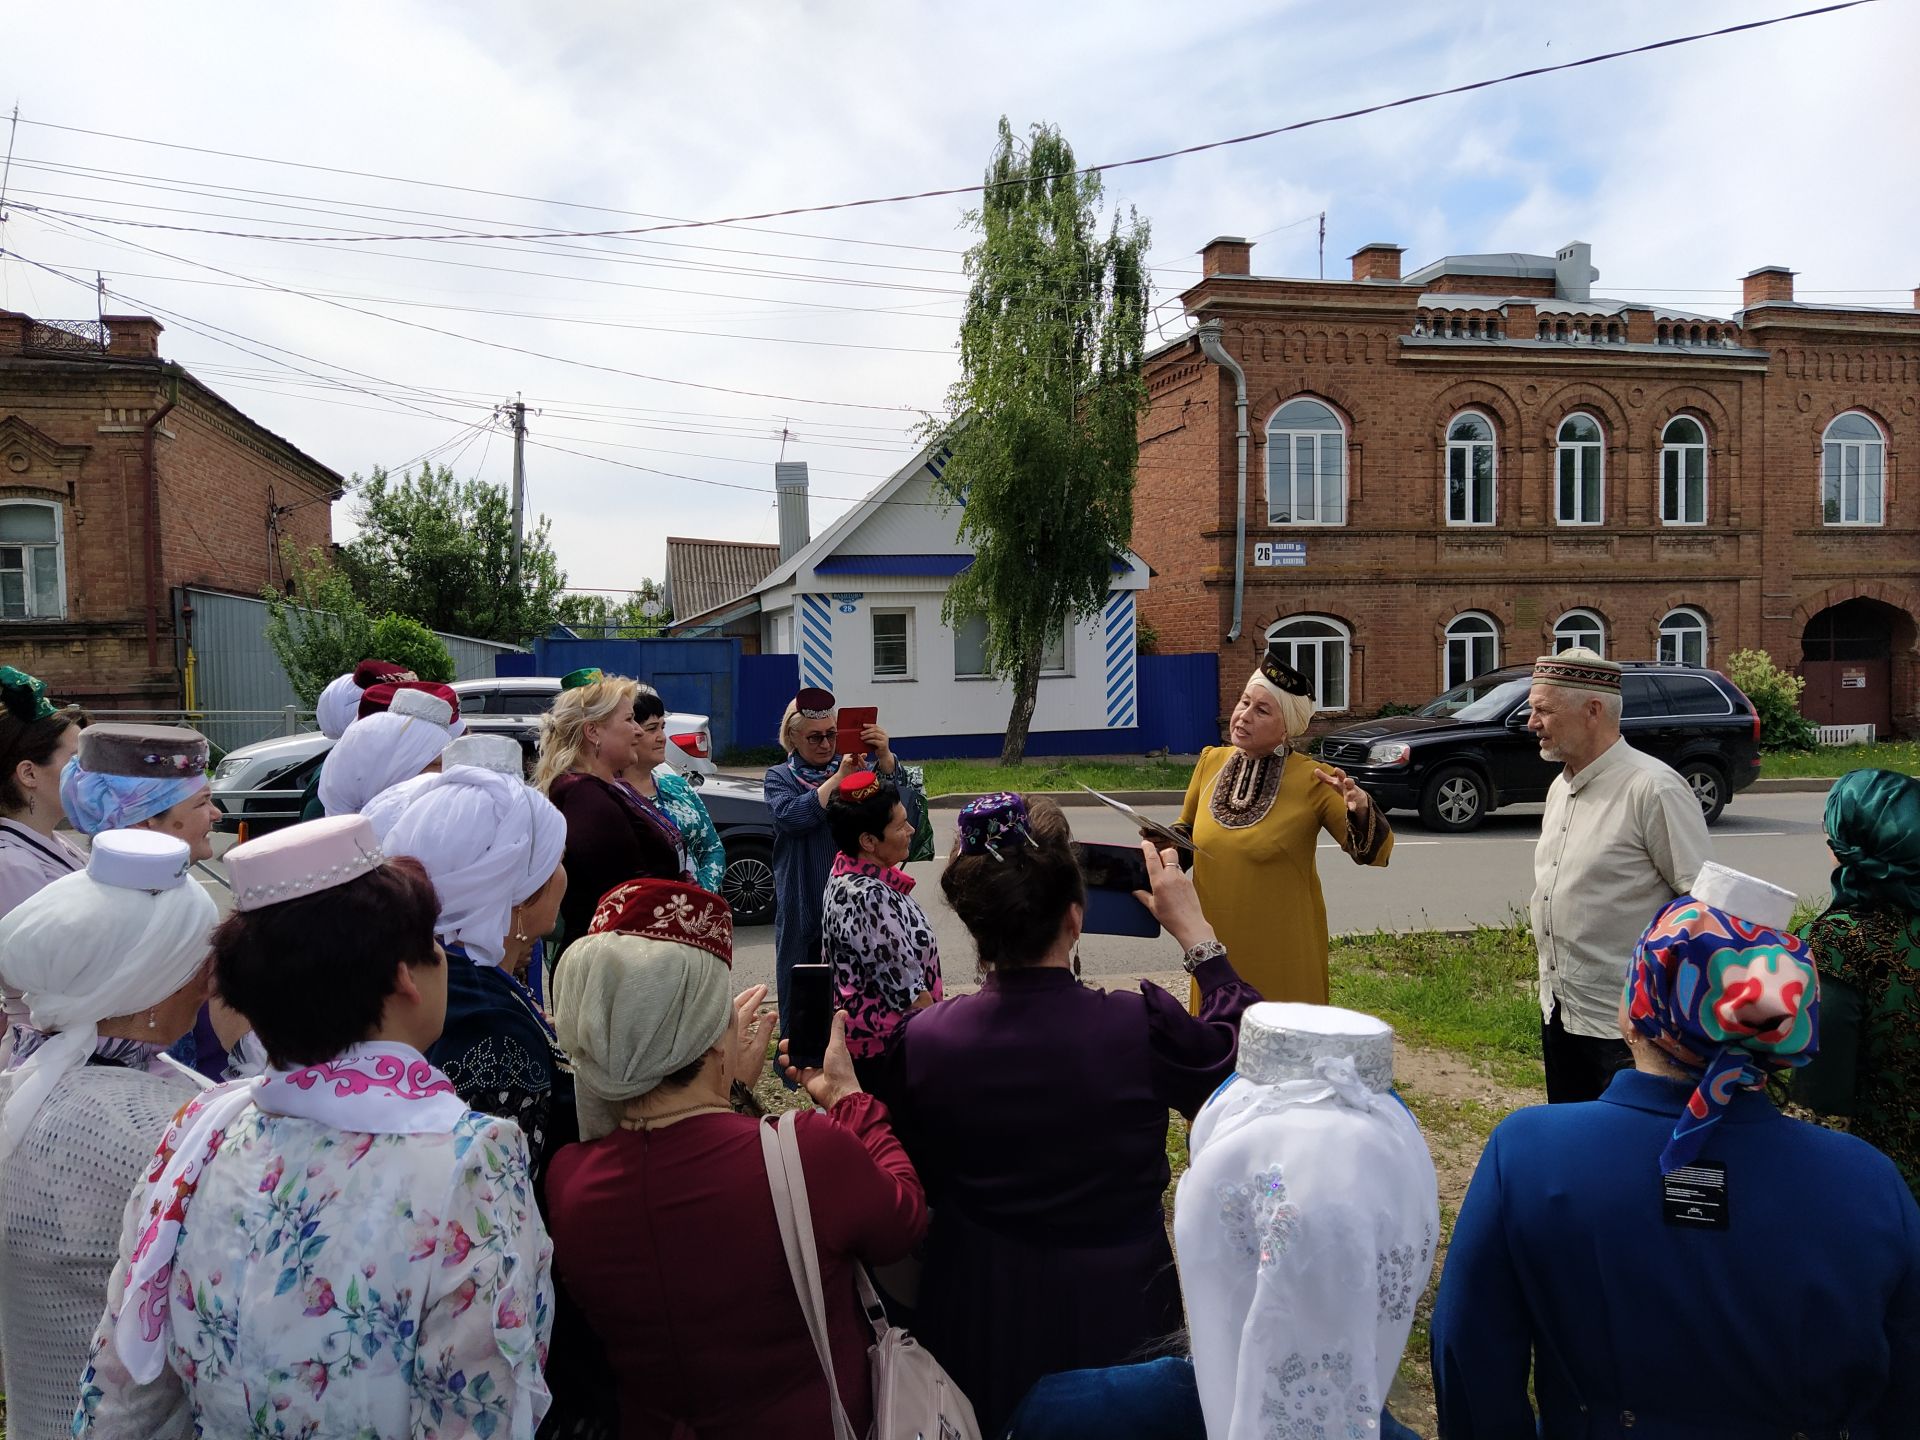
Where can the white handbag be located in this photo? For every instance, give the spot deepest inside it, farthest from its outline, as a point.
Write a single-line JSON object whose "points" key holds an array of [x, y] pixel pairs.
{"points": [[913, 1398]]}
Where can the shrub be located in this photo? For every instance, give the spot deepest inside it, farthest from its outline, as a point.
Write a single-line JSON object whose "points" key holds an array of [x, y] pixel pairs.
{"points": [[409, 643], [1776, 697], [320, 629], [1394, 707]]}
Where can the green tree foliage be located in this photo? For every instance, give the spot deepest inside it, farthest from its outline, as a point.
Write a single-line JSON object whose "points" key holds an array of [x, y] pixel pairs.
{"points": [[439, 549], [642, 614], [410, 644], [321, 630], [1041, 424], [1775, 694]]}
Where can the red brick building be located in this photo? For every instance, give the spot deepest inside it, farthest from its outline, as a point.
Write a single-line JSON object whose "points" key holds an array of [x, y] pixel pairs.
{"points": [[122, 478], [1482, 460]]}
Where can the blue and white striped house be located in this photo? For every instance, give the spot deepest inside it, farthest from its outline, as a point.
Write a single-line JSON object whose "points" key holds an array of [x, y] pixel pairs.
{"points": [[860, 607]]}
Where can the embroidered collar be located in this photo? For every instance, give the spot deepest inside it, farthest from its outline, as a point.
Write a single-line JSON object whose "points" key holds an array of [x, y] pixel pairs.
{"points": [[892, 876]]}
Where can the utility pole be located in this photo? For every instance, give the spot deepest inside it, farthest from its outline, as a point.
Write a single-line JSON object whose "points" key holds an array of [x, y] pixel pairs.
{"points": [[1323, 244], [519, 412]]}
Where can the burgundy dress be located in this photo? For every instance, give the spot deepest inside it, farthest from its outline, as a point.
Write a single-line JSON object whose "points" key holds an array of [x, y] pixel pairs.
{"points": [[611, 839], [667, 1241], [1036, 1113]]}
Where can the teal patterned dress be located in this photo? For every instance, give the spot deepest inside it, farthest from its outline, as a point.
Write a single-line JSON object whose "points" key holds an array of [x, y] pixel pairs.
{"points": [[706, 856]]}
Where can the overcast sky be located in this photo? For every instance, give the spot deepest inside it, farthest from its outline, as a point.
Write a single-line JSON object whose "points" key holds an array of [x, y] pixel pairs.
{"points": [[1684, 169]]}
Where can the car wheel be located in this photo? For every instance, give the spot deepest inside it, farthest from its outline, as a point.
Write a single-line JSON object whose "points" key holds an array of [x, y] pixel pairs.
{"points": [[1455, 799], [748, 882], [1709, 787]]}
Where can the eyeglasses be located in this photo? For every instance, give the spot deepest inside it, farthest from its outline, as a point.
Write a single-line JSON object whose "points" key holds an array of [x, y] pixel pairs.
{"points": [[818, 737]]}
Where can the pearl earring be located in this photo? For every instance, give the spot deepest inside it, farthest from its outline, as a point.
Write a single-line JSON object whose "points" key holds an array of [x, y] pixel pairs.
{"points": [[152, 1022]]}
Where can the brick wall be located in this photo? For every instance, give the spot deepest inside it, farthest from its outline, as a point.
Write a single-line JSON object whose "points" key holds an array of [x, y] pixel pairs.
{"points": [[1396, 573]]}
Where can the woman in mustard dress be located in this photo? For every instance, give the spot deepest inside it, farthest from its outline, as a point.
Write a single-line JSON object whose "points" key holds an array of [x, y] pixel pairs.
{"points": [[1255, 809]]}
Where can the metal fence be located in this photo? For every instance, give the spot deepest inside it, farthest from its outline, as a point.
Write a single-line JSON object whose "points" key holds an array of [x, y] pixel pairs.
{"points": [[1844, 734], [226, 729]]}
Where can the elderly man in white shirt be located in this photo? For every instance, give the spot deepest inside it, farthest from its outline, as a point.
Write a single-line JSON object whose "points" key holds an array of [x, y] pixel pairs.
{"points": [[1621, 837]]}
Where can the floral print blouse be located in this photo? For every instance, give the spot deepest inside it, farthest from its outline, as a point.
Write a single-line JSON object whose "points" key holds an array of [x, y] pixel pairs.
{"points": [[706, 856], [335, 1283]]}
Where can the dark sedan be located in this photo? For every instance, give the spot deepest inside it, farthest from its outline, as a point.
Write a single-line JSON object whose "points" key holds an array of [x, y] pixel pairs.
{"points": [[1467, 753]]}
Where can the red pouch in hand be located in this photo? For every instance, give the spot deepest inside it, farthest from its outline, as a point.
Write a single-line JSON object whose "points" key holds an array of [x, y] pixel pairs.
{"points": [[853, 719]]}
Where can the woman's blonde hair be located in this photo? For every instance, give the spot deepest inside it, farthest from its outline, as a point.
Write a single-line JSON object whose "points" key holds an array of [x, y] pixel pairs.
{"points": [[787, 722], [563, 729]]}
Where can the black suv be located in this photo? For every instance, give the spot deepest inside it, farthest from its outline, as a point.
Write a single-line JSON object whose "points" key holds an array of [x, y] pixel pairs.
{"points": [[1470, 752]]}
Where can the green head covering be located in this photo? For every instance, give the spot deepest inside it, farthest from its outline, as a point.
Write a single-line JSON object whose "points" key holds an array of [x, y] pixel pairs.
{"points": [[585, 675], [25, 697], [1873, 827]]}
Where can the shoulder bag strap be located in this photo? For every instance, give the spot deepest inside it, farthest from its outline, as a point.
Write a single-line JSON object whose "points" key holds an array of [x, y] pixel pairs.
{"points": [[779, 1148]]}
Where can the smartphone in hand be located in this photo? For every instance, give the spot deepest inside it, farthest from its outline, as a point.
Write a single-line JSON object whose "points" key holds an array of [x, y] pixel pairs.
{"points": [[809, 1025], [1112, 873]]}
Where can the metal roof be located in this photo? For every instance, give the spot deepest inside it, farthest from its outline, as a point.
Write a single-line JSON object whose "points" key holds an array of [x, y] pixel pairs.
{"points": [[704, 573]]}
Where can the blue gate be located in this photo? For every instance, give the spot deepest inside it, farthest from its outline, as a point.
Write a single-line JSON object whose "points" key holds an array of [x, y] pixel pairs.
{"points": [[1179, 702]]}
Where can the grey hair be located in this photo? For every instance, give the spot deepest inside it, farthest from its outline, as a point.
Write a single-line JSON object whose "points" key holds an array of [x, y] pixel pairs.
{"points": [[1610, 704]]}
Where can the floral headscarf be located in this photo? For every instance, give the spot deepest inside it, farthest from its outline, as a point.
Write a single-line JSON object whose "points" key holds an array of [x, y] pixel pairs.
{"points": [[1873, 827], [1725, 999]]}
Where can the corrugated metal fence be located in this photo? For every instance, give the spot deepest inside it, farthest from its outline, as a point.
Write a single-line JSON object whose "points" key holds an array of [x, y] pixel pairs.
{"points": [[235, 668]]}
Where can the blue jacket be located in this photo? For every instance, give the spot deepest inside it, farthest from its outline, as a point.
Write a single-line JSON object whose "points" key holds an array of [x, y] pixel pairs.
{"points": [[1801, 1318]]}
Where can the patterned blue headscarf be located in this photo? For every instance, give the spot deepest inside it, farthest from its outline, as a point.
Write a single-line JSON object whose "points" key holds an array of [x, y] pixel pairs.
{"points": [[96, 802]]}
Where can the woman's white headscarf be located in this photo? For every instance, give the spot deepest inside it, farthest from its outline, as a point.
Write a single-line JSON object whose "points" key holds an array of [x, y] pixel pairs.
{"points": [[114, 939], [488, 842], [338, 706], [1305, 1228], [378, 752]]}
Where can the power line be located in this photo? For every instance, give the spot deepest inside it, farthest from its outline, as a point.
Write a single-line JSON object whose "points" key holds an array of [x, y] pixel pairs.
{"points": [[980, 188]]}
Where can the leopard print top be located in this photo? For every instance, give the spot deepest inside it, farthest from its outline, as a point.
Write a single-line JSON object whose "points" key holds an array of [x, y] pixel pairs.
{"points": [[881, 947]]}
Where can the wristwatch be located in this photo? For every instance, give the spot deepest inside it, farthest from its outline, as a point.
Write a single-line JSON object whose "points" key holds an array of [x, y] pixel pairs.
{"points": [[1198, 955]]}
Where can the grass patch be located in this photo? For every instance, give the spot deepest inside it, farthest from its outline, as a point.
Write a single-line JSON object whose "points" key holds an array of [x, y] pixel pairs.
{"points": [[970, 777], [1475, 994], [1837, 760]]}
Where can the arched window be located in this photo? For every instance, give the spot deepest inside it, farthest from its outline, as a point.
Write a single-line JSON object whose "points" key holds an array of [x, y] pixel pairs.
{"points": [[1580, 628], [1473, 648], [1853, 471], [1306, 465], [1581, 467], [1318, 648], [1470, 487], [1683, 472], [1683, 637], [32, 569]]}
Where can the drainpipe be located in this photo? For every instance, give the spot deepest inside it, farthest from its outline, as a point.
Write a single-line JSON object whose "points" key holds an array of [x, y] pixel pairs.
{"points": [[1211, 347], [151, 476]]}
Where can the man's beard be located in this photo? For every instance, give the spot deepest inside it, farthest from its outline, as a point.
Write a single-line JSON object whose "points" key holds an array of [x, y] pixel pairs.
{"points": [[1552, 752]]}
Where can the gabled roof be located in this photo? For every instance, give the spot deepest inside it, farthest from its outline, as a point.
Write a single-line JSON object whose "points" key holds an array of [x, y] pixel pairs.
{"points": [[931, 456], [702, 574]]}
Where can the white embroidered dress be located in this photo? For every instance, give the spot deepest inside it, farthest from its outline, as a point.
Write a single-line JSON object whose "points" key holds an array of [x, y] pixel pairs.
{"points": [[1305, 1229], [332, 1282]]}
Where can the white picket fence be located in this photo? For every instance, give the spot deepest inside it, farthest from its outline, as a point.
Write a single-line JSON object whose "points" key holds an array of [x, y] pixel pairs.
{"points": [[1844, 734]]}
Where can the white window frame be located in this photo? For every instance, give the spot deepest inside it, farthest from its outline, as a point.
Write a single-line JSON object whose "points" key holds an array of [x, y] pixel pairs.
{"points": [[1466, 640], [873, 646], [1693, 625], [1290, 440], [1834, 455], [1462, 450], [1674, 454], [1593, 625], [30, 562], [1562, 450], [1315, 643], [1065, 667]]}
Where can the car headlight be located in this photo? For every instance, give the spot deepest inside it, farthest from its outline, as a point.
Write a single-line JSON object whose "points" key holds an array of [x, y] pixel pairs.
{"points": [[228, 767], [1390, 752]]}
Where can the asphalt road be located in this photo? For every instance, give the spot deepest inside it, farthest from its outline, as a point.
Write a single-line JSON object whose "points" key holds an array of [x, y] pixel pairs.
{"points": [[1434, 881]]}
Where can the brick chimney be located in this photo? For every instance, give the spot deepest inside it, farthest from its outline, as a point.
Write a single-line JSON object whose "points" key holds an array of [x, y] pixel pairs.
{"points": [[1226, 255], [1769, 282], [1377, 262], [133, 337]]}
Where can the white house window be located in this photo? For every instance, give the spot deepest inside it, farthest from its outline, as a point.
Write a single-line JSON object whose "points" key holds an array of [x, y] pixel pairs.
{"points": [[1853, 471], [893, 645], [1580, 628], [1683, 472], [1306, 466], [1319, 649], [1683, 638], [32, 586], [1470, 471], [1581, 467], [1473, 648], [970, 650]]}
